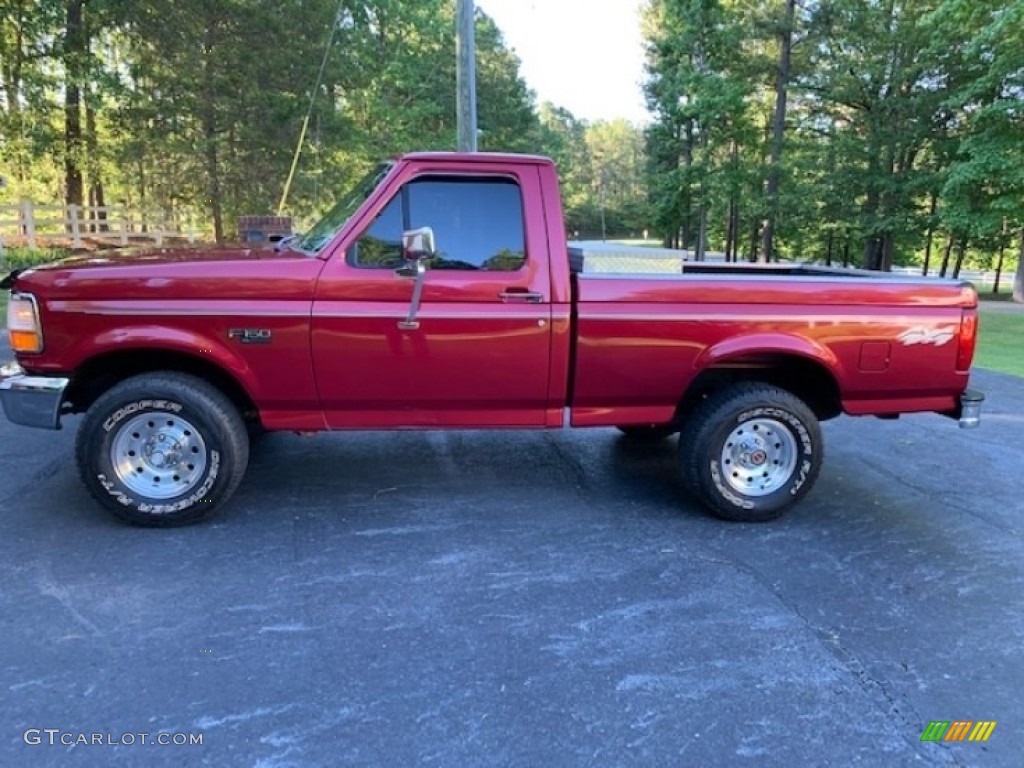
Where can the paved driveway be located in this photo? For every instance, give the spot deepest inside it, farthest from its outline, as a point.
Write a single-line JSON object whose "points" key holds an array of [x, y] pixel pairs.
{"points": [[524, 599]]}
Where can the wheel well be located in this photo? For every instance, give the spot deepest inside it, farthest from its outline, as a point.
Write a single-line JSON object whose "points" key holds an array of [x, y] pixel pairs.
{"points": [[805, 378], [99, 374]]}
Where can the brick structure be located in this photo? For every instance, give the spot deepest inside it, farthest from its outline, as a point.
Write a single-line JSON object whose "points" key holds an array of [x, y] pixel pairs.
{"points": [[263, 229]]}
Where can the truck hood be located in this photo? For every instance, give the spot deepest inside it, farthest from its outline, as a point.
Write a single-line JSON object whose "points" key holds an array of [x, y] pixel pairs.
{"points": [[152, 256], [208, 272]]}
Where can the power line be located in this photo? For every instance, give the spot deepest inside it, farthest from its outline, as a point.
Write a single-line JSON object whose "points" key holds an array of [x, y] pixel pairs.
{"points": [[309, 111]]}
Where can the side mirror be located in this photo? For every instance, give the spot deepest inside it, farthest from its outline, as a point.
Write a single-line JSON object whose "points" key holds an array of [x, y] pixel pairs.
{"points": [[417, 247], [418, 244]]}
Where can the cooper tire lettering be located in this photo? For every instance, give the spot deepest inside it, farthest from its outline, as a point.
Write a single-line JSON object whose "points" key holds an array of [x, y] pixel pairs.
{"points": [[119, 415]]}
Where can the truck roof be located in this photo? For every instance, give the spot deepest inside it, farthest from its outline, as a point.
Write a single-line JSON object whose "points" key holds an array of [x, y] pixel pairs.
{"points": [[480, 157]]}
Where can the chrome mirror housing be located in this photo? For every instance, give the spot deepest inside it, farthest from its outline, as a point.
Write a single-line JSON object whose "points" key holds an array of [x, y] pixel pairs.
{"points": [[418, 244]]}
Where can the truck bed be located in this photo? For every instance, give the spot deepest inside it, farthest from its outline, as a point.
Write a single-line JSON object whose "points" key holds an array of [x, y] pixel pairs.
{"points": [[890, 339]]}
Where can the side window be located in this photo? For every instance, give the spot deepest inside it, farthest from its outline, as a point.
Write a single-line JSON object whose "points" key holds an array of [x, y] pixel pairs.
{"points": [[477, 223]]}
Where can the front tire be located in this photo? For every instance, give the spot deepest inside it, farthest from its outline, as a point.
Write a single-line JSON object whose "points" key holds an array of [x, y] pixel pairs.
{"points": [[162, 449], [751, 451]]}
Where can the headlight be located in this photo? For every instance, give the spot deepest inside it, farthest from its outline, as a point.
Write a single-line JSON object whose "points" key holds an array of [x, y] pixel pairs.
{"points": [[23, 324]]}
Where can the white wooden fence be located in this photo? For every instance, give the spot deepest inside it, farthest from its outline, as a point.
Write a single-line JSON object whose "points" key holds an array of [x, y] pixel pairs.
{"points": [[34, 225]]}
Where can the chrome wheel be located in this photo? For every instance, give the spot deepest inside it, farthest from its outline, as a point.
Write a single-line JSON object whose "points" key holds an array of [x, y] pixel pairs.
{"points": [[759, 457], [158, 455]]}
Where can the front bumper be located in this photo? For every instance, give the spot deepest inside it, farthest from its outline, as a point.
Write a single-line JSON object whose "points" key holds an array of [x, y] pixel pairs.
{"points": [[32, 401]]}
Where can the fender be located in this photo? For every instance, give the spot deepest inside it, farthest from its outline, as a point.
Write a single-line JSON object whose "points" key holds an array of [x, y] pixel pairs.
{"points": [[769, 343], [150, 338]]}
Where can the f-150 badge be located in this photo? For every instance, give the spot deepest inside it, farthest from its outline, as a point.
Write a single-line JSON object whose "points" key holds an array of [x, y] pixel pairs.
{"points": [[922, 335], [251, 335]]}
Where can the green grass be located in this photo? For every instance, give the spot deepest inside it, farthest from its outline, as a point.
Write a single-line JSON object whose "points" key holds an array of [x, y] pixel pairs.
{"points": [[1001, 342], [1004, 296]]}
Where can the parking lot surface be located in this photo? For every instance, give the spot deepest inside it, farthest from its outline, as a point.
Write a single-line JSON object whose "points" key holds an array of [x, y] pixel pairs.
{"points": [[524, 599]]}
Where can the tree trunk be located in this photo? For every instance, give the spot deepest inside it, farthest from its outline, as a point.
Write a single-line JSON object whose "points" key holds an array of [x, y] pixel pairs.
{"points": [[75, 45], [888, 251], [737, 222], [999, 265], [831, 245], [730, 229], [778, 128], [846, 253], [961, 251], [702, 232], [686, 198], [96, 194], [945, 257], [1018, 278], [873, 252], [931, 233]]}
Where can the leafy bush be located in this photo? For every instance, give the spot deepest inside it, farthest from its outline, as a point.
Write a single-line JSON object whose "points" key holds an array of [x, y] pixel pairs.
{"points": [[19, 258]]}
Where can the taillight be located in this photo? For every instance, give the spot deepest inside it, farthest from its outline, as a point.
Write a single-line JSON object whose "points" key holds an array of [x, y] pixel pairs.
{"points": [[23, 326], [968, 339]]}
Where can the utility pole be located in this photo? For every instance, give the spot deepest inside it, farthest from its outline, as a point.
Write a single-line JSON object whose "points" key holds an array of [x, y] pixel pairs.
{"points": [[465, 46]]}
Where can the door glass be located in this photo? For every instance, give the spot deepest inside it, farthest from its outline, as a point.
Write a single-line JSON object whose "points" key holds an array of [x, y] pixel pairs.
{"points": [[477, 223]]}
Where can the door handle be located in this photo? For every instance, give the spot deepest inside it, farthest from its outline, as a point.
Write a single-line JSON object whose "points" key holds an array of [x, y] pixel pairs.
{"points": [[521, 295]]}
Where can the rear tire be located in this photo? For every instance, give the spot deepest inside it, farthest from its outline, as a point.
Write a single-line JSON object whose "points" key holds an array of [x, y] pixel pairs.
{"points": [[162, 449], [750, 452]]}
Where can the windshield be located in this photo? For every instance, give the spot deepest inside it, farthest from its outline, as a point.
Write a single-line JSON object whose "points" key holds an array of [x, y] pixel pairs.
{"points": [[324, 230]]}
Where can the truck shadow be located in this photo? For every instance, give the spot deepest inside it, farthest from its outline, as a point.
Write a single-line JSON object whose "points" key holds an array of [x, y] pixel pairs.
{"points": [[357, 469]]}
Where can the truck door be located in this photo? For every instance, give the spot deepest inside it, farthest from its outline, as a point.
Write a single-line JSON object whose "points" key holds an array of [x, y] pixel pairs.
{"points": [[480, 354]]}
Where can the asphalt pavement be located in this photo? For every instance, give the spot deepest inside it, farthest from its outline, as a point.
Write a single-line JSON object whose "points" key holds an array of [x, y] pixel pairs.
{"points": [[522, 599]]}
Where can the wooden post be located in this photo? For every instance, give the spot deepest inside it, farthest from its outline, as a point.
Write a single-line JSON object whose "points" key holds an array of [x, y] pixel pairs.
{"points": [[28, 223], [124, 227], [74, 220]]}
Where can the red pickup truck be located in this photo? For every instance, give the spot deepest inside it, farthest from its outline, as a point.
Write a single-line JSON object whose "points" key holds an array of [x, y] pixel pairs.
{"points": [[441, 294]]}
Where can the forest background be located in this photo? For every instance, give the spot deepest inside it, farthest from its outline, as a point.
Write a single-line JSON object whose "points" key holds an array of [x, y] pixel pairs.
{"points": [[872, 133]]}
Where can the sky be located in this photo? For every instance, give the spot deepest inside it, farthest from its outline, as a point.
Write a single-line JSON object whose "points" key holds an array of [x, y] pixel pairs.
{"points": [[584, 55]]}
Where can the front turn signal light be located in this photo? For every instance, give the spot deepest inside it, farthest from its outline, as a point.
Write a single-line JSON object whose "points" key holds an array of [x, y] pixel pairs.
{"points": [[23, 326]]}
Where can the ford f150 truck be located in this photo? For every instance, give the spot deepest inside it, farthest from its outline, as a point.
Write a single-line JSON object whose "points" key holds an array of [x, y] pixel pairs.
{"points": [[441, 294]]}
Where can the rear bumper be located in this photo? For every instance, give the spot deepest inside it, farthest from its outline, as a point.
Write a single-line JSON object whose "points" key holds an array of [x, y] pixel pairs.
{"points": [[32, 401]]}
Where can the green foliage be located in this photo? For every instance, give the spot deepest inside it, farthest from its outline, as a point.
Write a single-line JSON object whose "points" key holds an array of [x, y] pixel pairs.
{"points": [[601, 166], [905, 124], [195, 107], [20, 258], [1001, 341], [699, 89]]}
